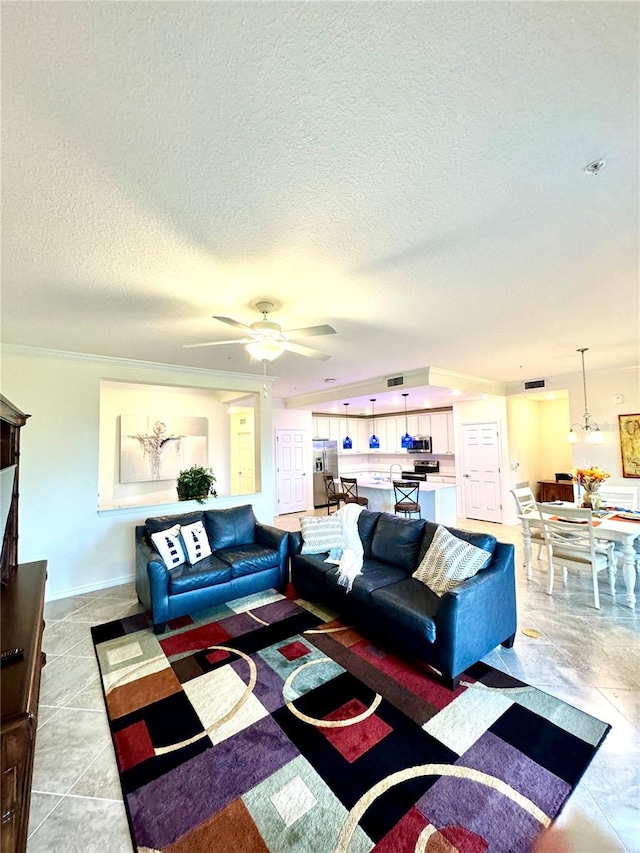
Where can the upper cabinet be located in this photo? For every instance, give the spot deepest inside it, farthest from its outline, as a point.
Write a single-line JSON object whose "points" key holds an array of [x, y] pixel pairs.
{"points": [[442, 440]]}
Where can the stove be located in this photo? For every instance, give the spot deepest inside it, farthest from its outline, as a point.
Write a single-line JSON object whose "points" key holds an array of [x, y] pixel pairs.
{"points": [[421, 470]]}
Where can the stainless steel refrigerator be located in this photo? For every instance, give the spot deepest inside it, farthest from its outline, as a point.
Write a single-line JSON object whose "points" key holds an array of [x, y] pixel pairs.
{"points": [[325, 461]]}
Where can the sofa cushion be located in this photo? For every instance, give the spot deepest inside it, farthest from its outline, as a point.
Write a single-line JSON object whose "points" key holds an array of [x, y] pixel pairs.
{"points": [[409, 603], [366, 525], [249, 559], [449, 561], [196, 543], [397, 541], [162, 522], [228, 528], [376, 576], [208, 572], [169, 545], [320, 535]]}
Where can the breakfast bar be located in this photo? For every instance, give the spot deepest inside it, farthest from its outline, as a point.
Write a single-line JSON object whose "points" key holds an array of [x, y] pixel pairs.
{"points": [[438, 501]]}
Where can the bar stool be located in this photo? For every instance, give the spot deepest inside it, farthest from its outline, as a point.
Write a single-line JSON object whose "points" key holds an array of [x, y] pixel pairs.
{"points": [[406, 497], [333, 497], [350, 492]]}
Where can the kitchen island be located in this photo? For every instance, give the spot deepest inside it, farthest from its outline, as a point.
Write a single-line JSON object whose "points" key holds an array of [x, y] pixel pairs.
{"points": [[438, 501]]}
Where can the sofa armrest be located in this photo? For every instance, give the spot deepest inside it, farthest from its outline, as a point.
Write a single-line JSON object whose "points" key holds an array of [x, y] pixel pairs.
{"points": [[295, 542], [272, 537], [152, 578], [479, 614]]}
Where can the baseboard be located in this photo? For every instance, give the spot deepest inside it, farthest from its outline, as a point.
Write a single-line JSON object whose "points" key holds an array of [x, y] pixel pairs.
{"points": [[89, 587]]}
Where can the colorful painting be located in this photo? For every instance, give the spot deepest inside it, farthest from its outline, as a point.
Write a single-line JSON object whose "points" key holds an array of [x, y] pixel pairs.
{"points": [[158, 448], [630, 444]]}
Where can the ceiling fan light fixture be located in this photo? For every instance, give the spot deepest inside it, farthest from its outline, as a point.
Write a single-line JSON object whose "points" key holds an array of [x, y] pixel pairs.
{"points": [[266, 350]]}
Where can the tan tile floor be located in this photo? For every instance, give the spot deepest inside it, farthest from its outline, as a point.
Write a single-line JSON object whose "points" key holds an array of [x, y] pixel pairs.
{"points": [[589, 658]]}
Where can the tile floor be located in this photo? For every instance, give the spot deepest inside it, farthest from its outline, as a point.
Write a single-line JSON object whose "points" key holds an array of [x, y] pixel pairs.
{"points": [[589, 658]]}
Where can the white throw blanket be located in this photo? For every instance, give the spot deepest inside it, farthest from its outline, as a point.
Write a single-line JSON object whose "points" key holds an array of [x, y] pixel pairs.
{"points": [[350, 564]]}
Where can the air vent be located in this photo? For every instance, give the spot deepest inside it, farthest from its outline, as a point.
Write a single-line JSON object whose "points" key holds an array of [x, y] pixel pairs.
{"points": [[534, 383], [395, 381]]}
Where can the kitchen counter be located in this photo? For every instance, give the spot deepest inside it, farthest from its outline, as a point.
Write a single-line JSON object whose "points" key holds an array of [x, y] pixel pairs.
{"points": [[438, 501]]}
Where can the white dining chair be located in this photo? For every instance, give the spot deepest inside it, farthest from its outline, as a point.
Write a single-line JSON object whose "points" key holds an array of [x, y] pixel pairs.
{"points": [[622, 497], [526, 503], [571, 543]]}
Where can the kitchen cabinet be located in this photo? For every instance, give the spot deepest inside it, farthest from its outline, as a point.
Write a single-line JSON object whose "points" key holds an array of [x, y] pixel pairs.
{"points": [[442, 439], [413, 424], [321, 427], [361, 436], [336, 433], [424, 425]]}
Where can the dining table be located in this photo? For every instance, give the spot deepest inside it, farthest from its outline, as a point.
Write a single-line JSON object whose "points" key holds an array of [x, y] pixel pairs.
{"points": [[610, 526]]}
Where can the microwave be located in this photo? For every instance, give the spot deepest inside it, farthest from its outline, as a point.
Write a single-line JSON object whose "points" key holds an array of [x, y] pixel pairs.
{"points": [[420, 444]]}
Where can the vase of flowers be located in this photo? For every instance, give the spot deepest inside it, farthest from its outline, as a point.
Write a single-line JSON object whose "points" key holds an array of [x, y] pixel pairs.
{"points": [[590, 479]]}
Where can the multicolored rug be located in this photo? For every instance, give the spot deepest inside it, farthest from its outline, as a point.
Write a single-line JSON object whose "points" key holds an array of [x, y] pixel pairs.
{"points": [[260, 726]]}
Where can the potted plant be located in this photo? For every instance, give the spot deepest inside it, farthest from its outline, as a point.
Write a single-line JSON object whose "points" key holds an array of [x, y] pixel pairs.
{"points": [[196, 483]]}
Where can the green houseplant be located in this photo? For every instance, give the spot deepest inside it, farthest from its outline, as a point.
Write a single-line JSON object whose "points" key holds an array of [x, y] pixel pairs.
{"points": [[196, 483]]}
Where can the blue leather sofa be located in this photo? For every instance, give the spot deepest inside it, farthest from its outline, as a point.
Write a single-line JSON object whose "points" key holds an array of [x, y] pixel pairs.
{"points": [[450, 633], [246, 557]]}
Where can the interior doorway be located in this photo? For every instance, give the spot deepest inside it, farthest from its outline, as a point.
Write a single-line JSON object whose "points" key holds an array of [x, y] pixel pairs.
{"points": [[292, 447], [481, 471]]}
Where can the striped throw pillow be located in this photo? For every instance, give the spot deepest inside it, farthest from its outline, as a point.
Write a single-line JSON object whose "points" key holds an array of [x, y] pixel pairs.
{"points": [[449, 561], [321, 534], [196, 542]]}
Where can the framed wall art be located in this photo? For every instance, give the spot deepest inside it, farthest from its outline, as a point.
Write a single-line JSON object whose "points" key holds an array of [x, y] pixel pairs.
{"points": [[157, 448], [630, 444]]}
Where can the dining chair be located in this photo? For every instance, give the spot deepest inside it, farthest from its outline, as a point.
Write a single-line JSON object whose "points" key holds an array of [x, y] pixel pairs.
{"points": [[406, 497], [622, 497], [526, 504], [571, 543], [350, 492], [333, 496]]}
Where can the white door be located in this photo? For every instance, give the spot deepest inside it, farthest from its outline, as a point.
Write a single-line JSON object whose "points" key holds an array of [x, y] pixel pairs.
{"points": [[245, 483], [481, 471], [291, 476]]}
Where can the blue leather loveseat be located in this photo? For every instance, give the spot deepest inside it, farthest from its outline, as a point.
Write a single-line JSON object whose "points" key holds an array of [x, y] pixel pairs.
{"points": [[451, 632], [246, 557]]}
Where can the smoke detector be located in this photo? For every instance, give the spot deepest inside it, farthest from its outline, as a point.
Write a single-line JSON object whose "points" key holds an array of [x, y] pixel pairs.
{"points": [[596, 167]]}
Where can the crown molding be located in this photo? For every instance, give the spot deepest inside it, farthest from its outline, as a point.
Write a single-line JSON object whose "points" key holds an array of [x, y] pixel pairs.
{"points": [[112, 361]]}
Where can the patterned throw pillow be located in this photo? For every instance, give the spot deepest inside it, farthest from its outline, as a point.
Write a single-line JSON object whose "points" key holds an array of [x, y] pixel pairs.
{"points": [[168, 544], [320, 534], [449, 561], [196, 542]]}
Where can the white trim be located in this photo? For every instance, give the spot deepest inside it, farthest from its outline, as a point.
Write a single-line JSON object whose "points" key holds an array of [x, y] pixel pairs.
{"points": [[39, 352], [91, 587]]}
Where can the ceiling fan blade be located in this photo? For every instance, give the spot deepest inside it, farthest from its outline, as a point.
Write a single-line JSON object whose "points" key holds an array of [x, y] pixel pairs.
{"points": [[300, 350], [310, 332], [218, 343], [231, 322]]}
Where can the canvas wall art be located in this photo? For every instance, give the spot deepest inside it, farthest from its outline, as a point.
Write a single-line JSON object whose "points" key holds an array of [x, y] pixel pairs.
{"points": [[630, 444], [158, 448]]}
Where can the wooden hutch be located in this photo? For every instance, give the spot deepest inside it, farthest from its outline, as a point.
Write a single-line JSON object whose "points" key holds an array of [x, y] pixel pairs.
{"points": [[22, 603]]}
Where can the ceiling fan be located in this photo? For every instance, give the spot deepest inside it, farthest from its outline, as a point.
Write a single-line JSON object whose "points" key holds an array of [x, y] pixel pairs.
{"points": [[265, 340]]}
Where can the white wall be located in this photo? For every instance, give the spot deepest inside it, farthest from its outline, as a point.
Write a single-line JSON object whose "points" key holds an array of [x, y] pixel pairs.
{"points": [[555, 450], [524, 442], [59, 518]]}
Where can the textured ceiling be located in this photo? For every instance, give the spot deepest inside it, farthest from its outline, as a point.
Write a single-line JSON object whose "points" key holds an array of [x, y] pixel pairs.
{"points": [[410, 173]]}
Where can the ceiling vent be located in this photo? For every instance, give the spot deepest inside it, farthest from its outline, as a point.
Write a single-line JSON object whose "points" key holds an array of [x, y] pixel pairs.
{"points": [[534, 383], [395, 381]]}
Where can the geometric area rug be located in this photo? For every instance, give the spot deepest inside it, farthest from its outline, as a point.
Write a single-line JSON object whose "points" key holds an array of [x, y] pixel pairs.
{"points": [[267, 726]]}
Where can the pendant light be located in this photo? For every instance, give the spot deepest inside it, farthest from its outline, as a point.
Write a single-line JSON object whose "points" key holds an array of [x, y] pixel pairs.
{"points": [[347, 444], [591, 431], [406, 442], [374, 441]]}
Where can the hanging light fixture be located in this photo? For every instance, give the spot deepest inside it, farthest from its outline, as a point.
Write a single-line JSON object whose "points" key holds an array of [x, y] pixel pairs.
{"points": [[591, 430], [347, 444], [374, 441], [406, 441]]}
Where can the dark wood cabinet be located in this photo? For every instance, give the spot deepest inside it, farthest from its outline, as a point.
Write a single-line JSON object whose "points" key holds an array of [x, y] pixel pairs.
{"points": [[21, 605], [550, 490]]}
